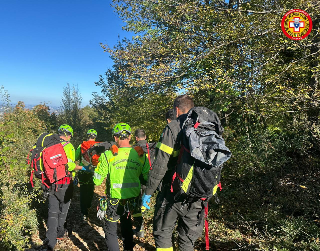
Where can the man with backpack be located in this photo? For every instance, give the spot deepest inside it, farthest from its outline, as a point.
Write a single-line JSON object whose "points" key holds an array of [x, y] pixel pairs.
{"points": [[61, 191], [122, 166], [86, 178], [176, 166]]}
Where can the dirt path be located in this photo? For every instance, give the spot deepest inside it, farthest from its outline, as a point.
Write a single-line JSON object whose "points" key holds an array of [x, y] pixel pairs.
{"points": [[86, 235]]}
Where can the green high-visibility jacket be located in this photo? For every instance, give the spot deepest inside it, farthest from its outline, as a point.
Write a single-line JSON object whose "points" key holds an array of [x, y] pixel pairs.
{"points": [[122, 172], [70, 152]]}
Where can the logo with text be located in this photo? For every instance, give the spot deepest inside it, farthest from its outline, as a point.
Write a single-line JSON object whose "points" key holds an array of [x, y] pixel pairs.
{"points": [[296, 24]]}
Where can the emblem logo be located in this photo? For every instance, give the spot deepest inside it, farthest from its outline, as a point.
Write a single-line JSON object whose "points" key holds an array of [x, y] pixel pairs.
{"points": [[296, 24]]}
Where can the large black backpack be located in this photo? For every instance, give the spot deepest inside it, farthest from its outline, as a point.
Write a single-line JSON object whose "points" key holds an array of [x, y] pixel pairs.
{"points": [[100, 148], [202, 154]]}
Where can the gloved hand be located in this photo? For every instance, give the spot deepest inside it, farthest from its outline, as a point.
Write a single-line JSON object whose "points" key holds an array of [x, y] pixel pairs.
{"points": [[145, 200], [86, 168]]}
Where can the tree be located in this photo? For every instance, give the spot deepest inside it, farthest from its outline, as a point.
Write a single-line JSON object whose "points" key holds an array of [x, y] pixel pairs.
{"points": [[71, 111], [231, 56], [19, 130], [139, 106], [49, 118]]}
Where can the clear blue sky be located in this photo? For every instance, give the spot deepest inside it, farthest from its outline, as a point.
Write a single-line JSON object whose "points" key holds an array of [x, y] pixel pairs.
{"points": [[45, 44]]}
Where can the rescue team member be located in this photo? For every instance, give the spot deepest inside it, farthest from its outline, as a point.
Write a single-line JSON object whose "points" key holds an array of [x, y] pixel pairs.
{"points": [[122, 169], [86, 178], [148, 148], [60, 194], [167, 210]]}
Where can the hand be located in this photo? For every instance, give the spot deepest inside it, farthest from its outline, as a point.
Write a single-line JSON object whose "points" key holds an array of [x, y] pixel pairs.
{"points": [[145, 200]]}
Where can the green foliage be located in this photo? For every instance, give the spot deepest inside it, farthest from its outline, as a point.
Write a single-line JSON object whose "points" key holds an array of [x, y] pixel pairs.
{"points": [[140, 107], [18, 132], [71, 112], [50, 119], [232, 57], [80, 119]]}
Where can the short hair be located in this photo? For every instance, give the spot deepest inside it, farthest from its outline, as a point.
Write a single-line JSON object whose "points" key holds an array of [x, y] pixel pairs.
{"points": [[140, 133], [170, 114], [184, 103]]}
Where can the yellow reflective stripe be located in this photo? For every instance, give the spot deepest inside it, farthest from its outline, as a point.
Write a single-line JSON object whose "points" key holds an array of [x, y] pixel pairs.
{"points": [[215, 190], [111, 220], [187, 180], [44, 138], [165, 148], [40, 162], [117, 201], [97, 168], [165, 249], [109, 160]]}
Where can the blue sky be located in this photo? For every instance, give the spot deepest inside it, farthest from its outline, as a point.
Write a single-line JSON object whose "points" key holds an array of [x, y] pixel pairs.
{"points": [[45, 44]]}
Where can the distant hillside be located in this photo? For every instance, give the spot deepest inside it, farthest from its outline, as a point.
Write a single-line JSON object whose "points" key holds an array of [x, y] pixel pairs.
{"points": [[3, 107]]}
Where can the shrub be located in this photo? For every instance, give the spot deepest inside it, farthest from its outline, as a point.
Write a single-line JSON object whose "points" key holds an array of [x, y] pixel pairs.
{"points": [[18, 131]]}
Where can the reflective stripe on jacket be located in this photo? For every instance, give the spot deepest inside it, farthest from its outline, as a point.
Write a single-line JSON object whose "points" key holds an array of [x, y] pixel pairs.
{"points": [[166, 155]]}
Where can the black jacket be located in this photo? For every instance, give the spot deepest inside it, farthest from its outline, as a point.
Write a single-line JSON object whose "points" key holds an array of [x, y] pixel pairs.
{"points": [[166, 156]]}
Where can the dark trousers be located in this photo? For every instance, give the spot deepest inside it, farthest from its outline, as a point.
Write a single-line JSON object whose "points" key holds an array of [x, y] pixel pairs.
{"points": [[59, 202], [190, 217], [86, 195], [137, 213], [115, 212]]}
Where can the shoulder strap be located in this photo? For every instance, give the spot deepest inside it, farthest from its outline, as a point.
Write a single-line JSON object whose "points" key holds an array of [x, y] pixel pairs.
{"points": [[41, 139], [149, 156], [65, 143]]}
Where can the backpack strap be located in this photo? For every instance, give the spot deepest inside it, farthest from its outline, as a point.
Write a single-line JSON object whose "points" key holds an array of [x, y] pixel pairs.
{"points": [[182, 149], [65, 143], [149, 155], [206, 223], [31, 178]]}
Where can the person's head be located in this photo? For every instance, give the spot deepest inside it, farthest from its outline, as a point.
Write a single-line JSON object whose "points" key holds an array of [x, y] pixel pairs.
{"points": [[169, 116], [122, 134], [65, 132], [92, 134], [182, 104], [140, 134]]}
